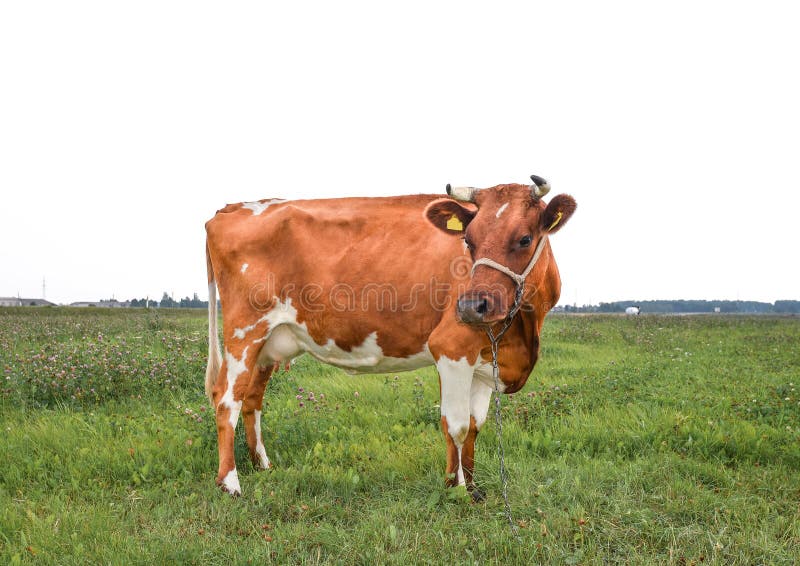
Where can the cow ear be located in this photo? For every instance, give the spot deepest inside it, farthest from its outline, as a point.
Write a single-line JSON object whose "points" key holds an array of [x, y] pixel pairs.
{"points": [[449, 216], [557, 213]]}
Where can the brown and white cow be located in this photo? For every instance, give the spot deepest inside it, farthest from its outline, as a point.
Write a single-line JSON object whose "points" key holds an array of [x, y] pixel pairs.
{"points": [[376, 285]]}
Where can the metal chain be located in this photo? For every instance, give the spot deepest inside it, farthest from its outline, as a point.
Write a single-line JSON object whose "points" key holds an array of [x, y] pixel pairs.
{"points": [[494, 340]]}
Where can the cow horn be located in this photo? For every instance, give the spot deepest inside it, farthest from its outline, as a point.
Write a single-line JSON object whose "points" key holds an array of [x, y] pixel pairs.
{"points": [[540, 187], [464, 194]]}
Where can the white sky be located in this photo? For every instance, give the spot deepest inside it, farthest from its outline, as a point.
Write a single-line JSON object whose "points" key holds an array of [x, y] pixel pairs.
{"points": [[676, 126]]}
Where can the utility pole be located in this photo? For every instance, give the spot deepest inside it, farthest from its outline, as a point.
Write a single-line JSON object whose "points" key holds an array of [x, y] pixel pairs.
{"points": [[44, 296]]}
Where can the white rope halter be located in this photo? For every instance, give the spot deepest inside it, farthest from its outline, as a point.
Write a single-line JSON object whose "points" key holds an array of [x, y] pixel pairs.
{"points": [[519, 279]]}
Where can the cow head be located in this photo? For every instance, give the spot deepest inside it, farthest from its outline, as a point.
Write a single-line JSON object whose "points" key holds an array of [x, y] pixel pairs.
{"points": [[504, 224]]}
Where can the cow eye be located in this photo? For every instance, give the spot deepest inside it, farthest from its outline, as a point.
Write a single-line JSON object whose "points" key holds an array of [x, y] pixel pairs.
{"points": [[525, 241], [469, 244]]}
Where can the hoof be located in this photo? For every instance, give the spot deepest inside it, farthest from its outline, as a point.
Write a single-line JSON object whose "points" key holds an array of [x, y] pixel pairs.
{"points": [[232, 493], [259, 467], [230, 484], [259, 458], [477, 495]]}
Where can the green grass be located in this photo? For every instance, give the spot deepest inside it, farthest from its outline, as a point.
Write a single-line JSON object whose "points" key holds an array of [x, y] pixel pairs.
{"points": [[638, 440]]}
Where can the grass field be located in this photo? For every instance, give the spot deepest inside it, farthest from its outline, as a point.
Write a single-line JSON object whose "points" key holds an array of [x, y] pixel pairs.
{"points": [[640, 440]]}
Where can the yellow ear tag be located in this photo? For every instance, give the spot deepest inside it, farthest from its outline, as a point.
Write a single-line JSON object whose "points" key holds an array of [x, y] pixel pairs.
{"points": [[559, 214], [455, 224]]}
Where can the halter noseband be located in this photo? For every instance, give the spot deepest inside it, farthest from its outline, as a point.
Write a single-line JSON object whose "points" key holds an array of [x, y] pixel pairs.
{"points": [[519, 279]]}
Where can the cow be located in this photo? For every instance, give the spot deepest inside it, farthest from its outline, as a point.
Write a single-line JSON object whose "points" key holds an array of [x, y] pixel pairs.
{"points": [[381, 284], [634, 310]]}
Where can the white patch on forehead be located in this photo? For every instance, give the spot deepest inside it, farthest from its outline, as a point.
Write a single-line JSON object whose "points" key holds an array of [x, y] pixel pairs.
{"points": [[245, 266], [260, 206], [230, 483], [501, 210]]}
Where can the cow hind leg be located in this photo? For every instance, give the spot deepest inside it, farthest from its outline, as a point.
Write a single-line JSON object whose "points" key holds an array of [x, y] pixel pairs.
{"points": [[227, 395], [251, 415]]}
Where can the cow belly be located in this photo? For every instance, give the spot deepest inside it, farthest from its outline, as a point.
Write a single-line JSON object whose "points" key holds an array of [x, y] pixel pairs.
{"points": [[286, 341]]}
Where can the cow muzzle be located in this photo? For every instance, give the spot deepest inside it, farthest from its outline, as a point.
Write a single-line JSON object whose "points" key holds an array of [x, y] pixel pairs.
{"points": [[480, 308]]}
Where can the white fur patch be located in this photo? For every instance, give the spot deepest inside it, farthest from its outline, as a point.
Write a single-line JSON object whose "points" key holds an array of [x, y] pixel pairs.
{"points": [[479, 400], [286, 338], [245, 266], [235, 369], [260, 206], [230, 483], [456, 384], [260, 450], [484, 373], [460, 472], [501, 210], [240, 333]]}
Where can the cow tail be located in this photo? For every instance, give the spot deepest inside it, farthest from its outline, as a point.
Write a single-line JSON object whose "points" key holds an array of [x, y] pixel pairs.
{"points": [[214, 354]]}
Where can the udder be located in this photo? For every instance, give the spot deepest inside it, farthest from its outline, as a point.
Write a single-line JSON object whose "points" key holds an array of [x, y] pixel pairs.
{"points": [[281, 346]]}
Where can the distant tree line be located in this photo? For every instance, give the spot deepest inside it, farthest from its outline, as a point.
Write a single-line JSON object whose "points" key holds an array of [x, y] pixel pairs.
{"points": [[693, 306], [168, 302]]}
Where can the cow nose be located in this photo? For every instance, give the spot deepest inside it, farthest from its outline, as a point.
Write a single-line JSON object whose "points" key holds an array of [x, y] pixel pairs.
{"points": [[472, 309]]}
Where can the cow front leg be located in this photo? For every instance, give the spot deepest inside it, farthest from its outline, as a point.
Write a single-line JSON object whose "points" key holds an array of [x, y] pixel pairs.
{"points": [[480, 397], [251, 416], [455, 380], [452, 468]]}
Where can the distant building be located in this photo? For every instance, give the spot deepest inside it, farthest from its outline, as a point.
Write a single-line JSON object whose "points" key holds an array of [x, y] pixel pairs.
{"points": [[112, 304], [22, 302]]}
